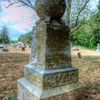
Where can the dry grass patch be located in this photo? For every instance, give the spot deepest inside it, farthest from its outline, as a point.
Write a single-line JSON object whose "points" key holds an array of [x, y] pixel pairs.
{"points": [[89, 74], [12, 68]]}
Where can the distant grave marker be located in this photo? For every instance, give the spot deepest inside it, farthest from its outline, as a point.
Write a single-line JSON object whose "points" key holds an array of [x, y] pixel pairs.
{"points": [[6, 45], [79, 55], [23, 48], [13, 45], [1, 47], [76, 49], [98, 47], [5, 50]]}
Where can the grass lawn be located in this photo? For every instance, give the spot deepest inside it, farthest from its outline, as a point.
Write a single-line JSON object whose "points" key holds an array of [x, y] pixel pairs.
{"points": [[12, 68]]}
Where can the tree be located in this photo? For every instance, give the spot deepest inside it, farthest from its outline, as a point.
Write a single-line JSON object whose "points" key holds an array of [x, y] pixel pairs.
{"points": [[94, 22], [84, 37], [89, 34], [96, 28], [75, 10], [13, 41], [26, 38], [28, 3], [4, 35]]}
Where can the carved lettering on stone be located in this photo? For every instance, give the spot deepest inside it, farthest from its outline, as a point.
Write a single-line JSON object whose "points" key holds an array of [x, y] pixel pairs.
{"points": [[60, 79]]}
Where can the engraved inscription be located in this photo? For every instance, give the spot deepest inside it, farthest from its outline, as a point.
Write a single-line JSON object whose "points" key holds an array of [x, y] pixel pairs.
{"points": [[59, 79]]}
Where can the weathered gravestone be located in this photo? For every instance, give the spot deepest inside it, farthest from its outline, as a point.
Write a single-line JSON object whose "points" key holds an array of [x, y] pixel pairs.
{"points": [[98, 47], [79, 55], [23, 48], [20, 44], [1, 47], [50, 75], [13, 45], [5, 49], [6, 45]]}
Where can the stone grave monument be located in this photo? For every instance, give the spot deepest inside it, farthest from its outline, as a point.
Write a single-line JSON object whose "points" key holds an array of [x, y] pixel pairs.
{"points": [[1, 47], [23, 47], [98, 47], [49, 74]]}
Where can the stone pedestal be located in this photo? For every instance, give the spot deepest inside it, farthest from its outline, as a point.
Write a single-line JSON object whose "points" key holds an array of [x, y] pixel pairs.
{"points": [[50, 75]]}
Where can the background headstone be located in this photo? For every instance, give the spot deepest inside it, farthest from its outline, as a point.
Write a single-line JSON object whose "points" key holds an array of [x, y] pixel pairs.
{"points": [[1, 47], [5, 50], [98, 47], [79, 55]]}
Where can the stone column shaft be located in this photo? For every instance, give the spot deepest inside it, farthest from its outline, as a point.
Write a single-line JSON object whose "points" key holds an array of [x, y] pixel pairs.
{"points": [[51, 48]]}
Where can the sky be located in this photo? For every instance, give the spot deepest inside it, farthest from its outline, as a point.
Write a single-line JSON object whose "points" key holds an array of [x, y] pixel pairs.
{"points": [[20, 20]]}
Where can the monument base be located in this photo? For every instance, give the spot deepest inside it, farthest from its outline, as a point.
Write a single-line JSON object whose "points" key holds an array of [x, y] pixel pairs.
{"points": [[27, 91]]}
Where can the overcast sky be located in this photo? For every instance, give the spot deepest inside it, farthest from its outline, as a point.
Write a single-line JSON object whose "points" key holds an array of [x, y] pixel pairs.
{"points": [[20, 20]]}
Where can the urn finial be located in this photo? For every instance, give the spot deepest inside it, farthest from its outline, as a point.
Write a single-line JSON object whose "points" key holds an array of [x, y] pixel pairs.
{"points": [[50, 8]]}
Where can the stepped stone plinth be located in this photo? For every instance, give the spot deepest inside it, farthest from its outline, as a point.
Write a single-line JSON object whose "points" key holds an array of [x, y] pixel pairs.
{"points": [[49, 74]]}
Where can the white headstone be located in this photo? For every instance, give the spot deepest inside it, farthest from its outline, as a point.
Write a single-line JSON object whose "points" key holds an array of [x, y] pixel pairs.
{"points": [[98, 47]]}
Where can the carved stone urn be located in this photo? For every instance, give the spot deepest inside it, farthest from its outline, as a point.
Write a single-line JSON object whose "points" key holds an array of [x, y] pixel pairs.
{"points": [[50, 8]]}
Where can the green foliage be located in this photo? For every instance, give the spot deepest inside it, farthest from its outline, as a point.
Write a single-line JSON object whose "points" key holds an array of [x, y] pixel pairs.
{"points": [[97, 87], [88, 83], [84, 37], [13, 41], [4, 35], [88, 35], [26, 38], [13, 97]]}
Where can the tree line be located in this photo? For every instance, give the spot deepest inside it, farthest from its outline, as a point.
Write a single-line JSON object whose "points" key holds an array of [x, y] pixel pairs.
{"points": [[84, 31], [4, 35], [75, 18], [26, 38], [5, 39], [88, 35]]}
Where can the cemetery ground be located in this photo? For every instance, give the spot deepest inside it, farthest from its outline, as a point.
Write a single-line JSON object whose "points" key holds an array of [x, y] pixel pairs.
{"points": [[12, 68]]}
